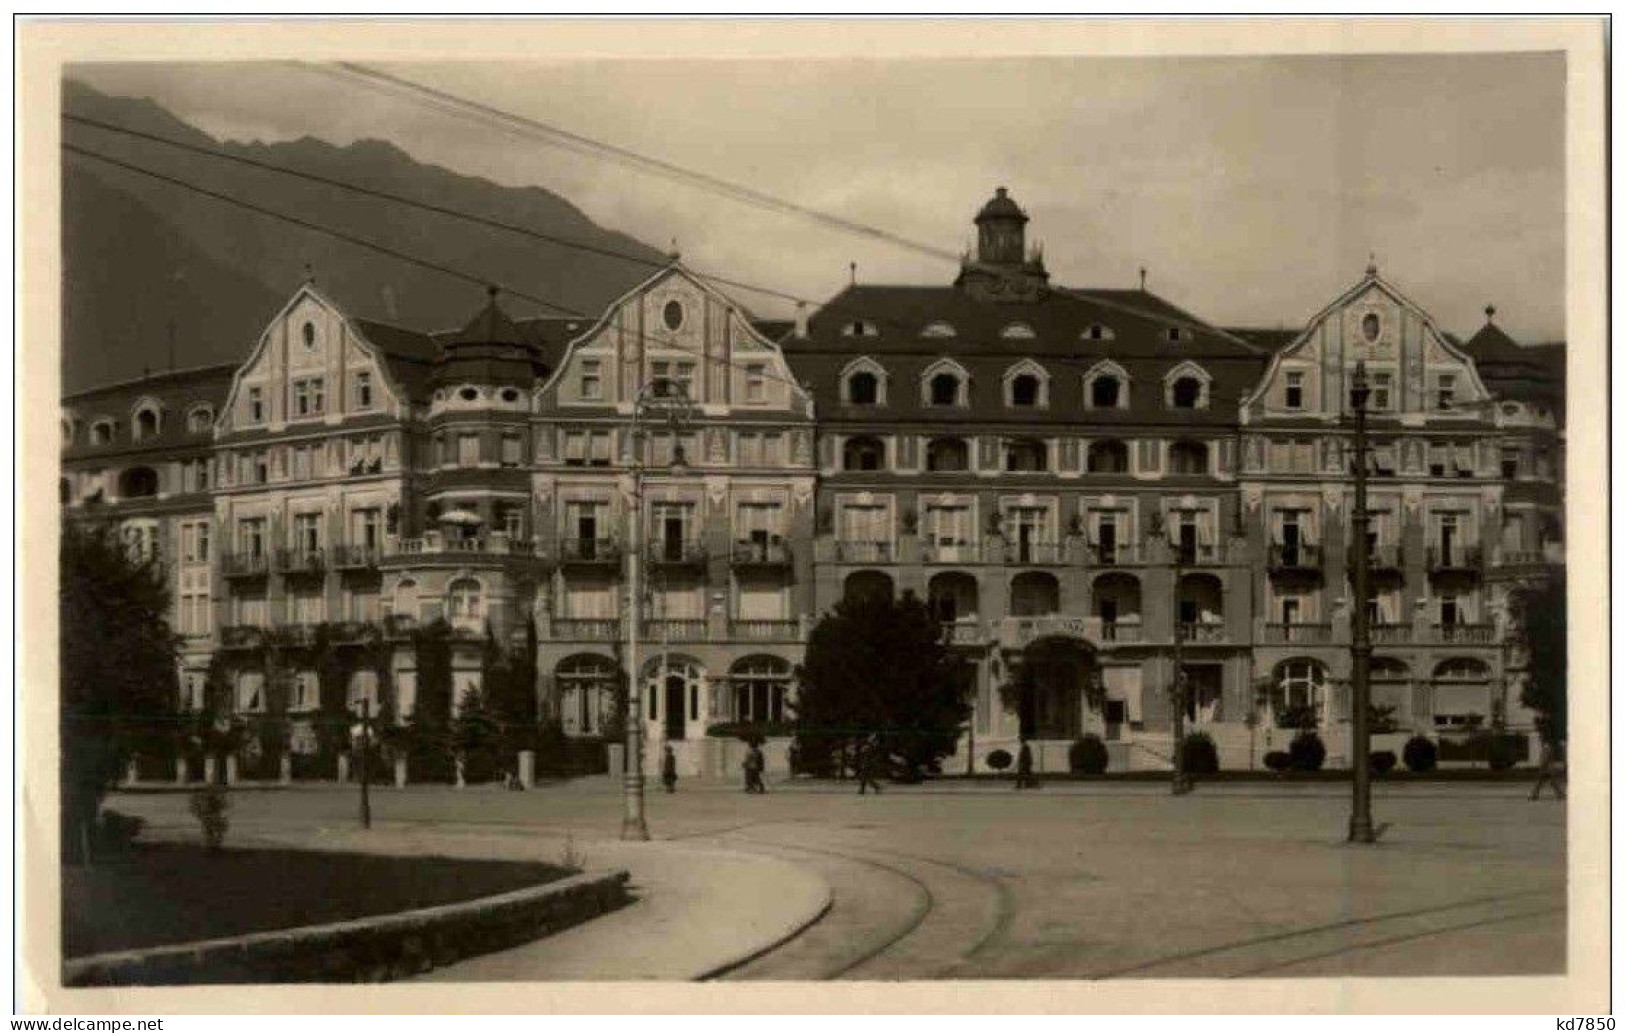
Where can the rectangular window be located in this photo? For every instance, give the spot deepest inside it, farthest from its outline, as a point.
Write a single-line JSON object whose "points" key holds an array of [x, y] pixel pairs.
{"points": [[307, 532], [861, 523], [772, 448], [755, 382], [750, 448], [592, 379], [468, 450], [758, 522], [1449, 611], [682, 375], [366, 528], [1438, 459], [1509, 464], [513, 522], [308, 397], [1382, 389], [251, 536], [262, 468], [510, 450], [575, 448], [1294, 390], [598, 451], [1447, 392], [363, 390], [256, 405]]}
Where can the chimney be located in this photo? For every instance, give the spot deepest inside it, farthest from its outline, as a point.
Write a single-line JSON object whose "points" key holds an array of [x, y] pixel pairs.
{"points": [[801, 320]]}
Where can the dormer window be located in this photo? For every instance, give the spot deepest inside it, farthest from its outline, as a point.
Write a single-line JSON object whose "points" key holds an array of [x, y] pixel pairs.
{"points": [[939, 329], [1186, 393], [363, 390], [860, 328], [1186, 387], [468, 394], [200, 419], [1098, 332], [146, 423], [1017, 332], [1026, 386], [863, 382], [1294, 390], [944, 389], [1024, 390], [256, 405], [1176, 334], [944, 383], [1105, 386], [101, 432]]}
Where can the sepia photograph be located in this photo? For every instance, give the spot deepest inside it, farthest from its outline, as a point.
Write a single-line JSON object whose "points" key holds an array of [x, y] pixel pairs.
{"points": [[1075, 519]]}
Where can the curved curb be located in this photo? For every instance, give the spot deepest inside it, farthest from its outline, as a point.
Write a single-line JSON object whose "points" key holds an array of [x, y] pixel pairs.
{"points": [[374, 948], [718, 971]]}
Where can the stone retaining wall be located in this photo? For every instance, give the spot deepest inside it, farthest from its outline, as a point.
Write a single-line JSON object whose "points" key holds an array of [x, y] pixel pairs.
{"points": [[373, 949]]}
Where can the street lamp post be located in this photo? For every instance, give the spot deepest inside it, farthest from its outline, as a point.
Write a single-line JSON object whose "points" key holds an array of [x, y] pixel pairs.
{"points": [[1181, 782], [633, 823], [1360, 828]]}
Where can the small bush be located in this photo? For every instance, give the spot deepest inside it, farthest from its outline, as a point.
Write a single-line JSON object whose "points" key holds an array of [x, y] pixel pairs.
{"points": [[1383, 761], [209, 805], [1308, 753], [117, 832], [1277, 760], [1420, 753], [999, 760], [1505, 751], [1088, 756], [1200, 755]]}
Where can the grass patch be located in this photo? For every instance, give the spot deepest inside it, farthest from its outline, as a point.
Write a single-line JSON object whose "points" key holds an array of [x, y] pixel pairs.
{"points": [[163, 893]]}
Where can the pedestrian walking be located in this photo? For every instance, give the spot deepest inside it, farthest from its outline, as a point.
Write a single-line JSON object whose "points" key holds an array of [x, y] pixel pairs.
{"points": [[754, 763], [1024, 767], [1552, 770], [869, 760], [668, 769]]}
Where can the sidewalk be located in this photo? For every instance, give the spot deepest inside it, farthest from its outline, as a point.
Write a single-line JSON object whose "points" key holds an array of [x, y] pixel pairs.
{"points": [[696, 911]]}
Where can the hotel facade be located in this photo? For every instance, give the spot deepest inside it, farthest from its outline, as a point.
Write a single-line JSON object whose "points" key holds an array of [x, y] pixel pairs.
{"points": [[1094, 482]]}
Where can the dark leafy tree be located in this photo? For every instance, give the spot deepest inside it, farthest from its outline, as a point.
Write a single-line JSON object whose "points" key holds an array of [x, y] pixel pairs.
{"points": [[118, 669], [477, 737], [1540, 615], [878, 667]]}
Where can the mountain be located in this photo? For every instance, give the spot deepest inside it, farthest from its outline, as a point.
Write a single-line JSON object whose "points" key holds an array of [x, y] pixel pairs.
{"points": [[140, 254]]}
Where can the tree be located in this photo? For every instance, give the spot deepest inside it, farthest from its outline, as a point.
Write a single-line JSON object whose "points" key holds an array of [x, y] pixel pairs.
{"points": [[1540, 622], [118, 669], [879, 667], [476, 735]]}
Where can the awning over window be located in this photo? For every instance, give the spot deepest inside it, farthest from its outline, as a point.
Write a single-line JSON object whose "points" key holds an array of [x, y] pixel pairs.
{"points": [[1461, 699]]}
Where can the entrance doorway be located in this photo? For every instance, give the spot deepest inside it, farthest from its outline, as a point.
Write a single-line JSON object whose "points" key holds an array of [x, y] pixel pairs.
{"points": [[676, 707]]}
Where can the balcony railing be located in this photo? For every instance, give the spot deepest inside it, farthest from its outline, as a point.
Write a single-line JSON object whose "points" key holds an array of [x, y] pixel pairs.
{"points": [[1121, 631], [245, 564], [443, 545], [590, 551], [300, 561], [354, 557], [863, 552], [674, 629], [1390, 634], [676, 552], [964, 633], [755, 630], [773, 553], [241, 636], [1463, 558], [1300, 557], [1464, 634], [950, 552], [587, 629], [1199, 554], [1297, 634], [1203, 634], [399, 625], [1521, 558], [1016, 632], [1118, 555], [1019, 552]]}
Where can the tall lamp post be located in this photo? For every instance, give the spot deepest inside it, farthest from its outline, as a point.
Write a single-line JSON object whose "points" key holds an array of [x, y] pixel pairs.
{"points": [[668, 397], [1181, 783], [1360, 828]]}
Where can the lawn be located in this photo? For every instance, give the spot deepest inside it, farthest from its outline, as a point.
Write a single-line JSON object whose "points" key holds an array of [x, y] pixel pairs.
{"points": [[165, 893]]}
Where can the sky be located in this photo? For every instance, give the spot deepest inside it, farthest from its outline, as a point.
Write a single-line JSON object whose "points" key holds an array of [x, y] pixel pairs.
{"points": [[1253, 190]]}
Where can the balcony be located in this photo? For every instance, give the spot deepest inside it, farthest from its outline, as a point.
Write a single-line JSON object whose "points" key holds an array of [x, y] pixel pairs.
{"points": [[755, 630], [1302, 558], [301, 561], [1199, 634], [245, 564], [1116, 554], [354, 557], [590, 552], [1383, 559], [586, 629], [241, 636], [1458, 559], [346, 633], [950, 552], [775, 552], [676, 552], [399, 625], [295, 635], [964, 633], [1018, 632], [1464, 634], [1020, 553], [1390, 634], [1199, 554], [674, 629], [1297, 634], [439, 546], [842, 551]]}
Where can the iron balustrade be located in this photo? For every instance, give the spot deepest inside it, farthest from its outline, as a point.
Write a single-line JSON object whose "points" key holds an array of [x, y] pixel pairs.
{"points": [[1466, 558], [950, 552], [300, 561], [586, 629], [676, 552], [245, 564], [590, 551], [1030, 552], [1297, 634], [1302, 556], [1464, 634], [761, 554]]}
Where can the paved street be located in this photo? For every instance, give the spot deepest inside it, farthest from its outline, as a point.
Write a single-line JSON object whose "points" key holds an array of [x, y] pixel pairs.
{"points": [[1073, 881]]}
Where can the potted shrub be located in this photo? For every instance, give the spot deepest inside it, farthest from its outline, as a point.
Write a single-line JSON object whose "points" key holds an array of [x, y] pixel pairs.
{"points": [[1087, 755], [1278, 760], [1307, 752], [1383, 761], [1000, 760], [1200, 755], [1421, 754]]}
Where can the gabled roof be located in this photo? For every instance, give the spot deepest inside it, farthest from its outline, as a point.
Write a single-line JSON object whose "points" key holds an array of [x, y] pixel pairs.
{"points": [[177, 392]]}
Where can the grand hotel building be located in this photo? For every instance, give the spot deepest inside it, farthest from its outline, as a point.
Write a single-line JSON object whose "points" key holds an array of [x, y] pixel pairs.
{"points": [[1095, 480]]}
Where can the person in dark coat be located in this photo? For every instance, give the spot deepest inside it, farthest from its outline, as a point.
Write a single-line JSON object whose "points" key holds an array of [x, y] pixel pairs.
{"points": [[869, 766], [754, 763], [668, 769], [1551, 770], [1024, 767]]}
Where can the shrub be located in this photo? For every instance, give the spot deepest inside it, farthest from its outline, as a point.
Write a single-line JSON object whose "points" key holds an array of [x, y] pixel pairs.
{"points": [[1383, 761], [998, 760], [1301, 717], [117, 832], [1505, 751], [1200, 755], [209, 805], [1308, 753], [1277, 760], [1420, 753], [1087, 756], [748, 730]]}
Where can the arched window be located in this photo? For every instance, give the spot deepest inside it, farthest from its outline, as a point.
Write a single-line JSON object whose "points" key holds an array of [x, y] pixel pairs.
{"points": [[1186, 393], [463, 602], [863, 388], [146, 423], [138, 482], [101, 432], [868, 584], [760, 685], [1187, 457], [1024, 390], [1300, 684], [1105, 392], [1034, 593], [939, 329], [1025, 455], [199, 419], [947, 455], [863, 453], [404, 603], [1109, 456], [586, 685], [945, 389]]}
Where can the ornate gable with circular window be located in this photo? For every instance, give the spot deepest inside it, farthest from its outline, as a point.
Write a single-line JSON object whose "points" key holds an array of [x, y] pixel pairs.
{"points": [[1371, 327], [672, 315], [307, 334]]}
